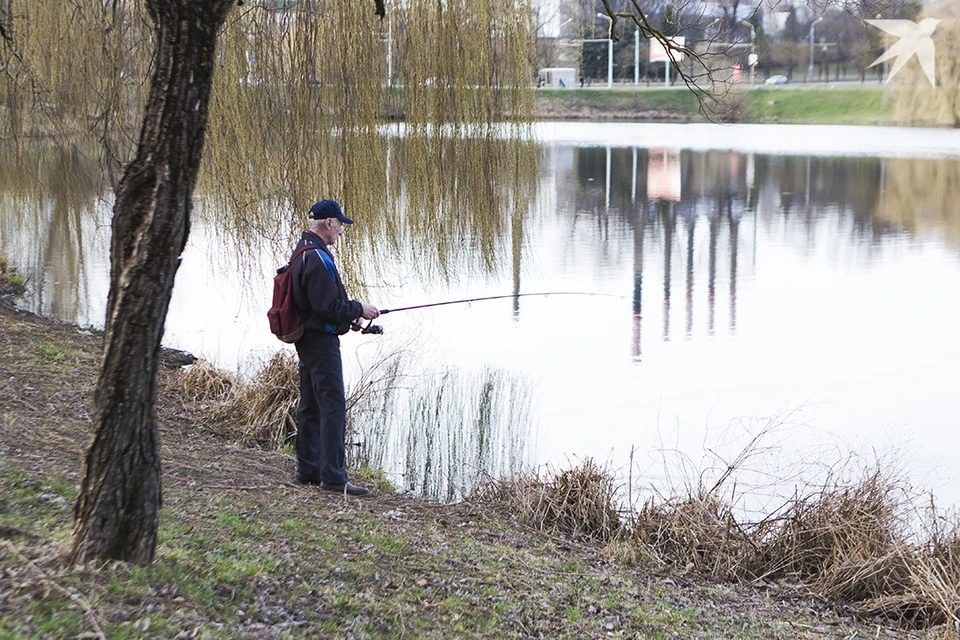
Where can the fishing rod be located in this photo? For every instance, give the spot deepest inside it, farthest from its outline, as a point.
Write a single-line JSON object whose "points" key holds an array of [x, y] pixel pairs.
{"points": [[510, 295], [372, 328]]}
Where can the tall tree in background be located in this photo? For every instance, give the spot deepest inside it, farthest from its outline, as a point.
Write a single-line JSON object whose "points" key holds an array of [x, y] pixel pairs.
{"points": [[914, 99]]}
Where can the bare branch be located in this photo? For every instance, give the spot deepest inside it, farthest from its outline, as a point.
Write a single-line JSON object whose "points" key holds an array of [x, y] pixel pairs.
{"points": [[705, 94]]}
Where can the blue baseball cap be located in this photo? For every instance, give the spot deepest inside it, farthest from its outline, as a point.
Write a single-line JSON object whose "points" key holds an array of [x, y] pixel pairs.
{"points": [[328, 209]]}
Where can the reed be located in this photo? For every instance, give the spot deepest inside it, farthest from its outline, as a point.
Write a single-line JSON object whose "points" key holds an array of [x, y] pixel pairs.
{"points": [[441, 429], [579, 502], [264, 411], [934, 596], [851, 544], [695, 533], [848, 542], [203, 382]]}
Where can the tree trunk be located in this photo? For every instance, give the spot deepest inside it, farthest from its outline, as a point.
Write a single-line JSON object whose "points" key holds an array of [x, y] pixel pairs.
{"points": [[116, 514]]}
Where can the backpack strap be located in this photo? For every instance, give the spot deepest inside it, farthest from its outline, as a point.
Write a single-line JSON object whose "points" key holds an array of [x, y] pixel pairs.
{"points": [[328, 263], [298, 252]]}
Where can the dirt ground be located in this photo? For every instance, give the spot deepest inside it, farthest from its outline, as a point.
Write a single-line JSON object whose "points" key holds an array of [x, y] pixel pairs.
{"points": [[244, 552]]}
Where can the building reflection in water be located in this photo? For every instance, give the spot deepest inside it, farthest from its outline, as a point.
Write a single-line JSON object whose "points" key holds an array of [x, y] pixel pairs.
{"points": [[659, 195]]}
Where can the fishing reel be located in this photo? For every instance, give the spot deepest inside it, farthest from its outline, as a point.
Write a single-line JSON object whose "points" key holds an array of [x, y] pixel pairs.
{"points": [[370, 328]]}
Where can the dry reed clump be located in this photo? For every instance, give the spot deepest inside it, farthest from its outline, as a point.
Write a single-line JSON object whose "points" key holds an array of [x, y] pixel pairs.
{"points": [[935, 576], [265, 411], [203, 382], [848, 542], [698, 533], [578, 502], [853, 545]]}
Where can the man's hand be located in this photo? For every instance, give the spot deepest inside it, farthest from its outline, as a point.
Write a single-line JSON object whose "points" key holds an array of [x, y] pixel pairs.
{"points": [[369, 311]]}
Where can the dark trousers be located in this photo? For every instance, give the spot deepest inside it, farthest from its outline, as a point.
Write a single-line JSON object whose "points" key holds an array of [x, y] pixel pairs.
{"points": [[322, 414]]}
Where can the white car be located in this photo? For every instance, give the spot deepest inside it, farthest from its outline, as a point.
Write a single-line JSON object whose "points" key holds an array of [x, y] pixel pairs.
{"points": [[777, 79]]}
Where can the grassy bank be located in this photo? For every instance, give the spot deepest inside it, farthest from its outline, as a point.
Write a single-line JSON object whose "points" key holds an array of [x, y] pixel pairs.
{"points": [[244, 552], [861, 105], [617, 104], [856, 104]]}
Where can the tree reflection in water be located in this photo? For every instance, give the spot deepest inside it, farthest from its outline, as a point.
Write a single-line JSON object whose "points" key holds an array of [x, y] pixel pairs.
{"points": [[449, 216]]}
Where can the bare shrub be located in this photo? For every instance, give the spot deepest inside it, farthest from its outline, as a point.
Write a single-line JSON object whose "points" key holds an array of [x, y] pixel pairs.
{"points": [[698, 533], [579, 502]]}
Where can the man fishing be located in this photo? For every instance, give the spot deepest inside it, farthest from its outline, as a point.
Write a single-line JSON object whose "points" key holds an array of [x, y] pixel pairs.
{"points": [[319, 295]]}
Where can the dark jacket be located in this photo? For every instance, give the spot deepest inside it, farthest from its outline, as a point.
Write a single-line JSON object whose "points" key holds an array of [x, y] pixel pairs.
{"points": [[318, 295]]}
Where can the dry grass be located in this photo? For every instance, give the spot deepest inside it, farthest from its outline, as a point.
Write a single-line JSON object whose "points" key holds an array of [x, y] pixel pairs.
{"points": [[11, 283], [202, 382], [261, 412], [265, 410], [580, 502], [848, 542], [697, 534], [935, 575]]}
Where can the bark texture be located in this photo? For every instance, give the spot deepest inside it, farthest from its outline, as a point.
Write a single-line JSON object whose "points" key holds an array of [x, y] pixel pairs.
{"points": [[116, 514]]}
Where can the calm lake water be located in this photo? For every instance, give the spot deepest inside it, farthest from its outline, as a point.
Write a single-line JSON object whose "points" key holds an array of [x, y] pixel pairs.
{"points": [[801, 283]]}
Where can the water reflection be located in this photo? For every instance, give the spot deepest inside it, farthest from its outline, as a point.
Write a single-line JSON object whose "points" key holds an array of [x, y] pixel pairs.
{"points": [[49, 227], [921, 198], [658, 196], [750, 281], [437, 434]]}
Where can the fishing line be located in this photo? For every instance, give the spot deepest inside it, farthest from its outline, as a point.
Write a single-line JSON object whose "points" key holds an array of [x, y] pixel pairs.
{"points": [[511, 295], [377, 329]]}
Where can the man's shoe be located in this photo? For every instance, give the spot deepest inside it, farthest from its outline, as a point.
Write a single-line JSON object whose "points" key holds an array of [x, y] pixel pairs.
{"points": [[305, 479], [346, 487]]}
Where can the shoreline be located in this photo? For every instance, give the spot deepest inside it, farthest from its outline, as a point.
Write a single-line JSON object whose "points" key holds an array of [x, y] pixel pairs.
{"points": [[245, 552], [789, 104]]}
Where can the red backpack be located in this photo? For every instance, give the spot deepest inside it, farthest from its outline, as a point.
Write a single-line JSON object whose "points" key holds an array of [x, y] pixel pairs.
{"points": [[285, 320]]}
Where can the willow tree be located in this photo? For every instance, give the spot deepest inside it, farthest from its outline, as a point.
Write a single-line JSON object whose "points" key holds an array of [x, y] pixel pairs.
{"points": [[52, 61], [914, 98], [290, 97]]}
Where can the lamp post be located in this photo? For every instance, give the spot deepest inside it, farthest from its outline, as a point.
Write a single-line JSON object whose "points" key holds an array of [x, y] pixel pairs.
{"points": [[609, 51], [810, 68], [636, 57]]}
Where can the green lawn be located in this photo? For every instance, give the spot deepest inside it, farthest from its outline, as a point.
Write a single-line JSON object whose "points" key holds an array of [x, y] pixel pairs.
{"points": [[820, 105], [618, 102]]}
